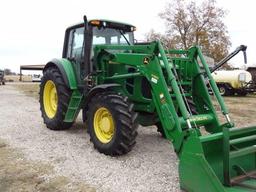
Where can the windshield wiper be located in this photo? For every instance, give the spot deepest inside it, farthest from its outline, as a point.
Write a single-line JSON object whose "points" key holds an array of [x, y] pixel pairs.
{"points": [[124, 37]]}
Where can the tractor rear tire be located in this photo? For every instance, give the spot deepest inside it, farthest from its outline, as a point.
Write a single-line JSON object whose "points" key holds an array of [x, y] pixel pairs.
{"points": [[54, 98], [111, 123]]}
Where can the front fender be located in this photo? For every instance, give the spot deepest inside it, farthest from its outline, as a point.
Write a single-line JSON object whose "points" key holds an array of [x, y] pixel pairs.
{"points": [[94, 91], [101, 88], [66, 70]]}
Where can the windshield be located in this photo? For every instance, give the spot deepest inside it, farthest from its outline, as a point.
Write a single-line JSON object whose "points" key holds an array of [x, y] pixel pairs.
{"points": [[111, 36]]}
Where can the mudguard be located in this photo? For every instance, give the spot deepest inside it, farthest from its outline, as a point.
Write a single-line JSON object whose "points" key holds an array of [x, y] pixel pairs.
{"points": [[94, 91], [66, 70]]}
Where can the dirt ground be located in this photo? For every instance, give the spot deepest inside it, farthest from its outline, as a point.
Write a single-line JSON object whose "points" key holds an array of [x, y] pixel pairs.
{"points": [[19, 174], [242, 110], [16, 78], [70, 157], [42, 160]]}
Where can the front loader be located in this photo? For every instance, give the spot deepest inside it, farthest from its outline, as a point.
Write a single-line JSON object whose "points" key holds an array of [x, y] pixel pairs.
{"points": [[119, 84]]}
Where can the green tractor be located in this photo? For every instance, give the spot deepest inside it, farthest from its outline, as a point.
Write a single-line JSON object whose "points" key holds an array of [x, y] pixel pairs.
{"points": [[119, 84]]}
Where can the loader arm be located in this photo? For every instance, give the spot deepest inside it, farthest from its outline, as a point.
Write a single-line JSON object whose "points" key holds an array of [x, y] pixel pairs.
{"points": [[216, 161], [165, 89]]}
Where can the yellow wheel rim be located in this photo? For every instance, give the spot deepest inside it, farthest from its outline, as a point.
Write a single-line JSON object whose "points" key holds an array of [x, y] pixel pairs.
{"points": [[50, 99], [103, 124]]}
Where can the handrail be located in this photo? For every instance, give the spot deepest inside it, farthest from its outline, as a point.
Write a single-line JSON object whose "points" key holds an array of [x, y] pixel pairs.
{"points": [[174, 85], [213, 85]]}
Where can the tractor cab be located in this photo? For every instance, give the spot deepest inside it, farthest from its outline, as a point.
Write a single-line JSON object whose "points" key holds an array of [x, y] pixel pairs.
{"points": [[81, 39]]}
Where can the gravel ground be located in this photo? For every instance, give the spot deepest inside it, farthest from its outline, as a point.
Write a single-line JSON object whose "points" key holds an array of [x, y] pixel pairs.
{"points": [[150, 166]]}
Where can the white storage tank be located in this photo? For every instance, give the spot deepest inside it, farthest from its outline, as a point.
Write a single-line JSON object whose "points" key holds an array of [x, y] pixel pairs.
{"points": [[236, 78]]}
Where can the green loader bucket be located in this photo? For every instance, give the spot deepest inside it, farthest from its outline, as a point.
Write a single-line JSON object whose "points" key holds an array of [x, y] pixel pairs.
{"points": [[224, 161]]}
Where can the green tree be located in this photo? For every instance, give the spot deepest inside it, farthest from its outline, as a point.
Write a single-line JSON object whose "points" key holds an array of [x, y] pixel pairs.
{"points": [[188, 24]]}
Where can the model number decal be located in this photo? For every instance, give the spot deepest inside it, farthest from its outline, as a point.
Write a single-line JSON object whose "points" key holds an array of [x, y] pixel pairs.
{"points": [[154, 79]]}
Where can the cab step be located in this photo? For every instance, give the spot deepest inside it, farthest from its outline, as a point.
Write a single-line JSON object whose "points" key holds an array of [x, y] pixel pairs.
{"points": [[74, 106]]}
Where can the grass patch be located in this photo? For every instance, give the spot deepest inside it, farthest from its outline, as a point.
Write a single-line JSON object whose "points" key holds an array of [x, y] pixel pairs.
{"points": [[29, 89], [19, 174]]}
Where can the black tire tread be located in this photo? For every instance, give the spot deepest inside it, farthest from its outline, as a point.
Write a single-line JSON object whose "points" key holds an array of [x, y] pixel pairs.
{"points": [[126, 139], [64, 95]]}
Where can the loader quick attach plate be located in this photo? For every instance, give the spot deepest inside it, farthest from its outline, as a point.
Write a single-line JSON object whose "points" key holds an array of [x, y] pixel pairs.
{"points": [[246, 181], [239, 159], [220, 162]]}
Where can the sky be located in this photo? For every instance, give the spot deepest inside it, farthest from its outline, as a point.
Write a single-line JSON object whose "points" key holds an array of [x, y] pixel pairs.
{"points": [[32, 31]]}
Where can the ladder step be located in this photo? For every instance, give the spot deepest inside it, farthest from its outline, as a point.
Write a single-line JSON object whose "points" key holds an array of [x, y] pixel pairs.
{"points": [[242, 139], [242, 152]]}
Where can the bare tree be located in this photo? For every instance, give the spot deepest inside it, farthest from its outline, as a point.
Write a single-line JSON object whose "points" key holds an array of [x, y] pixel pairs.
{"points": [[189, 24], [7, 71], [167, 42]]}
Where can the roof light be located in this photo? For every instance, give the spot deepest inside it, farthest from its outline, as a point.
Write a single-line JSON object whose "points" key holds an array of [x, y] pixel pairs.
{"points": [[95, 22], [133, 28]]}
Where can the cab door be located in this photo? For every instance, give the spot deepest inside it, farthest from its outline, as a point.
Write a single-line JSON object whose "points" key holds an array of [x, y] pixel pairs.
{"points": [[74, 50]]}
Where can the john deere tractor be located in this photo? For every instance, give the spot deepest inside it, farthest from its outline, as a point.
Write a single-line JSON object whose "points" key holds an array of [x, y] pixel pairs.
{"points": [[119, 84]]}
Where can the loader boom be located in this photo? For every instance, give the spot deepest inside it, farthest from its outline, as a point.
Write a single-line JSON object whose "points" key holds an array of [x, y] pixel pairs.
{"points": [[166, 103], [174, 77]]}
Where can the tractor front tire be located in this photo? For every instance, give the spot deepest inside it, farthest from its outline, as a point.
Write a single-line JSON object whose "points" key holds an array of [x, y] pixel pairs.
{"points": [[54, 98], [111, 123]]}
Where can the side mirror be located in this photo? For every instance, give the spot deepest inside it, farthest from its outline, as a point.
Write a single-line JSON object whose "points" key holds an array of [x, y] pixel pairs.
{"points": [[85, 22]]}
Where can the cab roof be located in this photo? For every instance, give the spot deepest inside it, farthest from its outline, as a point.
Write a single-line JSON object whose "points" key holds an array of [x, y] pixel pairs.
{"points": [[111, 21], [106, 23]]}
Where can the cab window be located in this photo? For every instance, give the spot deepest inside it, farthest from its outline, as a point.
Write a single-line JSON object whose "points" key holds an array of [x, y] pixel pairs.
{"points": [[75, 45], [102, 36]]}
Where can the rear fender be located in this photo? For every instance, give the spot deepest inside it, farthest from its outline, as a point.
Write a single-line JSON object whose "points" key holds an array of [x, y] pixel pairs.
{"points": [[66, 70]]}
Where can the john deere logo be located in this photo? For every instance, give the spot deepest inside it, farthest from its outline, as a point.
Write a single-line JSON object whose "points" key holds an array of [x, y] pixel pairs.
{"points": [[146, 60]]}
